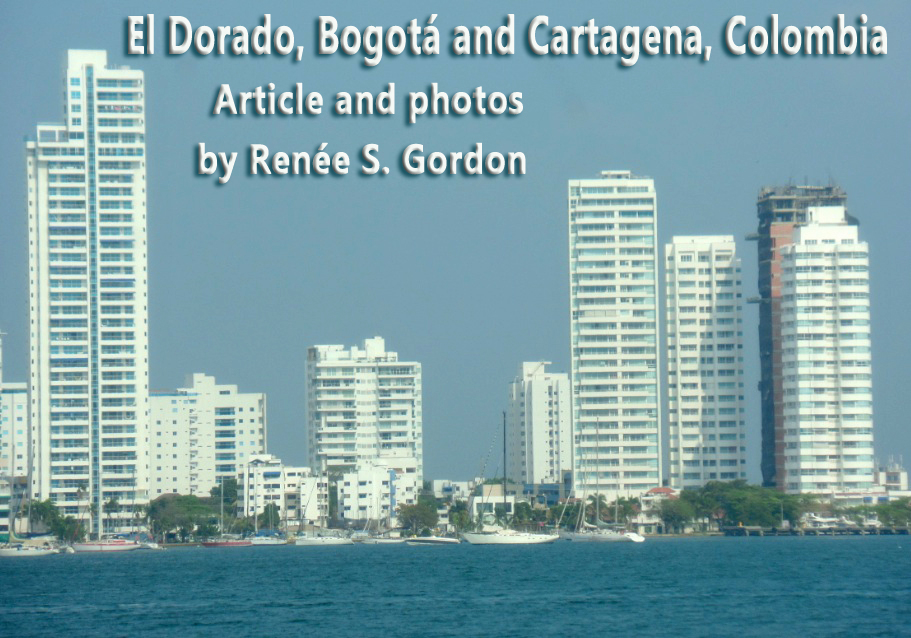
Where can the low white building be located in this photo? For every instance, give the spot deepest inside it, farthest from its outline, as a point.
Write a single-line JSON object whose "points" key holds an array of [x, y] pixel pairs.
{"points": [[203, 434], [490, 499], [302, 497], [14, 430], [892, 476], [646, 521], [374, 492], [14, 450], [454, 490]]}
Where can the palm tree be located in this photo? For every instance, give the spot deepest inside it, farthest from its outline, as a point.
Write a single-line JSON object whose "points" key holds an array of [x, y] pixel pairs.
{"points": [[625, 509], [110, 508], [596, 507]]}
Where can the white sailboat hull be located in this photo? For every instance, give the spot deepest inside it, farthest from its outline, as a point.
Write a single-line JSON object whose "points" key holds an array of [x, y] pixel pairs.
{"points": [[322, 541], [508, 537], [25, 551], [433, 540], [265, 540], [107, 546], [602, 536]]}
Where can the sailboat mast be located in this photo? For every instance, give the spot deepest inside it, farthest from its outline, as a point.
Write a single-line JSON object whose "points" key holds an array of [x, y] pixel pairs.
{"points": [[504, 464], [597, 472], [221, 517]]}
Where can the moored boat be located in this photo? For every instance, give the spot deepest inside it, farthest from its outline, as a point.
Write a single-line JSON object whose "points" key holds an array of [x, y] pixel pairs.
{"points": [[508, 537], [107, 545], [492, 533], [379, 540], [227, 542], [601, 536], [260, 541], [224, 540], [26, 551], [433, 540], [307, 541]]}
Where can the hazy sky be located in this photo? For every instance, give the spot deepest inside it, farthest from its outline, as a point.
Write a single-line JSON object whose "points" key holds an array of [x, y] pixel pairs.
{"points": [[469, 276]]}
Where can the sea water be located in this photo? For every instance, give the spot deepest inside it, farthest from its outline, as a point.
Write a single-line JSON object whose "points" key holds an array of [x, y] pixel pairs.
{"points": [[812, 586]]}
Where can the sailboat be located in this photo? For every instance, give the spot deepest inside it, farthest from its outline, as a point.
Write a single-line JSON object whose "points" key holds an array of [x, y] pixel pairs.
{"points": [[432, 540], [318, 540], [26, 551], [319, 536], [107, 543], [493, 534], [21, 548], [592, 533], [224, 540], [265, 537], [597, 532]]}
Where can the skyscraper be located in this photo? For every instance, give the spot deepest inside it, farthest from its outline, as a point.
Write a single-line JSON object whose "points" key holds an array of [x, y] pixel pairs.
{"points": [[705, 361], [827, 387], [539, 427], [363, 407], [780, 209], [614, 334], [88, 299]]}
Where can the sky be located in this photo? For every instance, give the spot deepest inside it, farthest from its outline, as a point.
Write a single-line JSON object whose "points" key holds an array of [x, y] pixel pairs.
{"points": [[468, 275]]}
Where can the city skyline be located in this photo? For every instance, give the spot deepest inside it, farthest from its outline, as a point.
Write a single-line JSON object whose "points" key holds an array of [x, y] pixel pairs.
{"points": [[218, 249]]}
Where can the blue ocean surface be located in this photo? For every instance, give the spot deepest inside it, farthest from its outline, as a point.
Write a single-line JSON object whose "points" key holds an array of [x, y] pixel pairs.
{"points": [[842, 586]]}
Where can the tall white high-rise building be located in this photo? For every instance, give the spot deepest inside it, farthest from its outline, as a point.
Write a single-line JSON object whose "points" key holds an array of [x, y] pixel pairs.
{"points": [[707, 439], [364, 406], [827, 384], [614, 334], [88, 296], [203, 434], [539, 426]]}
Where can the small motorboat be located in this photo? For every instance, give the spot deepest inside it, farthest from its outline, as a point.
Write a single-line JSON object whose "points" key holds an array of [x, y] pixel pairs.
{"points": [[433, 540]]}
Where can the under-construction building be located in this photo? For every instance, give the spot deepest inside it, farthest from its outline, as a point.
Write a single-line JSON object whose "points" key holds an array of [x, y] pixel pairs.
{"points": [[780, 209]]}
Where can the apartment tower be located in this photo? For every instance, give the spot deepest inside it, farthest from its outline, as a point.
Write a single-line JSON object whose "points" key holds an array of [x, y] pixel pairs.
{"points": [[704, 361], [202, 434], [88, 302], [364, 408], [827, 386], [780, 209], [614, 334], [539, 427]]}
